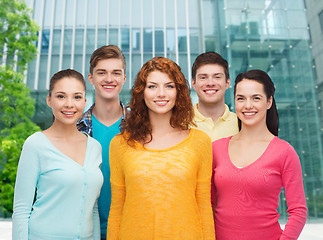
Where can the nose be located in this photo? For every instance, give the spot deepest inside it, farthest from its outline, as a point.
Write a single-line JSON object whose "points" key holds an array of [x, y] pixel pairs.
{"points": [[68, 102], [210, 81], [161, 92], [248, 104], [108, 77]]}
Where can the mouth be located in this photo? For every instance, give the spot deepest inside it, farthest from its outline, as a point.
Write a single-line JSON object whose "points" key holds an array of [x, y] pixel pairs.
{"points": [[109, 86], [161, 102], [249, 113], [68, 113], [210, 91]]}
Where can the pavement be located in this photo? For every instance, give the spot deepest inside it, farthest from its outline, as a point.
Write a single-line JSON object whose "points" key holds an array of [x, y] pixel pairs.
{"points": [[313, 230]]}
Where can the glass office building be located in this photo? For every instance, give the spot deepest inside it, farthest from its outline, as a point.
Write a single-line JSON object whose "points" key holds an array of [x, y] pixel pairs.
{"points": [[270, 35]]}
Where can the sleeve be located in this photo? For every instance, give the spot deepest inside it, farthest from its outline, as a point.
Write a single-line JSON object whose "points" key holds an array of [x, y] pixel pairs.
{"points": [[96, 218], [118, 189], [203, 191], [96, 222], [213, 190], [213, 200], [26, 180], [295, 196]]}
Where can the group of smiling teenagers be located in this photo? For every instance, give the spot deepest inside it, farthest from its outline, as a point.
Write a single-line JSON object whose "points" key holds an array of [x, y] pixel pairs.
{"points": [[158, 168]]}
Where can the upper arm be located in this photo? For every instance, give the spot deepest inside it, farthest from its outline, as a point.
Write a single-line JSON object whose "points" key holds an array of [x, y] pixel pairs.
{"points": [[26, 181]]}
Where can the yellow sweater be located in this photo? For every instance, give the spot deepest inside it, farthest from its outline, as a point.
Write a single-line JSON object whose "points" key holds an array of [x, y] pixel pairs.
{"points": [[161, 193]]}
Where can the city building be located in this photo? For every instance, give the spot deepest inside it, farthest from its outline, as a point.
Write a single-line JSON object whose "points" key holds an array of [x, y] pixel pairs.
{"points": [[272, 35], [315, 20]]}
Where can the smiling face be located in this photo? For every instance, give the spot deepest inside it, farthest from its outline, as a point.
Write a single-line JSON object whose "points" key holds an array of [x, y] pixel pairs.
{"points": [[67, 100], [108, 78], [210, 84], [160, 93], [251, 103]]}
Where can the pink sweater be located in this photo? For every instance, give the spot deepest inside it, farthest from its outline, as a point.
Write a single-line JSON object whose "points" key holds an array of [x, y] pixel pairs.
{"points": [[247, 198]]}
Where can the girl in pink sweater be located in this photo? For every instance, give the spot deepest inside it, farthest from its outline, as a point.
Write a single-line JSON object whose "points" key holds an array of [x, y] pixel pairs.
{"points": [[251, 167]]}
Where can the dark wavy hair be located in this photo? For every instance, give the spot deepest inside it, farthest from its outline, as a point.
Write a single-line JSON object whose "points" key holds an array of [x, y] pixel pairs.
{"points": [[262, 77], [136, 125]]}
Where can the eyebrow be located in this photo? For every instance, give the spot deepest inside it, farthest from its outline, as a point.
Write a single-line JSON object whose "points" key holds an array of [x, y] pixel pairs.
{"points": [[61, 92], [104, 70], [253, 95], [203, 74], [151, 82]]}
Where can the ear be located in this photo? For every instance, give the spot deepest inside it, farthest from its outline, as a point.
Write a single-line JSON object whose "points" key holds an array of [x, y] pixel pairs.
{"points": [[48, 101], [227, 83], [270, 102], [84, 102], [124, 79], [90, 78], [194, 83]]}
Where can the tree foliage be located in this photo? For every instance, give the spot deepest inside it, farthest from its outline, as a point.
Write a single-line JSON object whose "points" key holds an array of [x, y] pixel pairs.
{"points": [[18, 34]]}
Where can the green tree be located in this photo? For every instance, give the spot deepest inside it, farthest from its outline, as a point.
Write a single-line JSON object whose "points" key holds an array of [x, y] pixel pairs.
{"points": [[18, 34]]}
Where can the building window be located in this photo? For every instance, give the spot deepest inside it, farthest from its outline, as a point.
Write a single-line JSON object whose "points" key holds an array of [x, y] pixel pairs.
{"points": [[321, 19]]}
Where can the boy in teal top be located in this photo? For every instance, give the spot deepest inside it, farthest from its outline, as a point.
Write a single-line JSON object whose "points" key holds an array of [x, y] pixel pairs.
{"points": [[102, 120]]}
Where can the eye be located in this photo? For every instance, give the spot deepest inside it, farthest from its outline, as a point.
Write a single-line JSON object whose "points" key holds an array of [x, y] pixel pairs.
{"points": [[170, 86], [78, 97], [60, 96], [117, 73], [239, 98], [257, 98], [151, 86], [100, 73]]}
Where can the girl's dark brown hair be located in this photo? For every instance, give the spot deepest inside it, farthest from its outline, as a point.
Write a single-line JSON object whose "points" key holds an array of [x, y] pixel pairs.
{"points": [[67, 73], [136, 124]]}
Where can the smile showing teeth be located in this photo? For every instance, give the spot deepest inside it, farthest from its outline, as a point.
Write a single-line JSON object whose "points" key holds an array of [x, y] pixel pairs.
{"points": [[249, 113], [68, 113], [210, 91], [161, 102], [108, 87]]}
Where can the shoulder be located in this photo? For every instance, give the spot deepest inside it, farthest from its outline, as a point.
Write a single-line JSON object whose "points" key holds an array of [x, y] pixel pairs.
{"points": [[34, 139], [93, 142], [283, 149], [199, 140], [118, 141], [85, 116], [35, 145], [233, 116], [228, 115], [198, 117], [282, 145], [220, 142], [197, 133]]}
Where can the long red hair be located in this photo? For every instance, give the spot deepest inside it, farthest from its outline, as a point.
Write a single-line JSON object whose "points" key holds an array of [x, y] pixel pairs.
{"points": [[136, 124]]}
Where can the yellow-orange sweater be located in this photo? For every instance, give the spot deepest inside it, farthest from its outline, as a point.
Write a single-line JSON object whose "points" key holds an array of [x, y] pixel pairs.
{"points": [[161, 193]]}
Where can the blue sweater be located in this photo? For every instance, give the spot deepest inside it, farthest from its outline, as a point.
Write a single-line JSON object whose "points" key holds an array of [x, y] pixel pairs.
{"points": [[65, 206]]}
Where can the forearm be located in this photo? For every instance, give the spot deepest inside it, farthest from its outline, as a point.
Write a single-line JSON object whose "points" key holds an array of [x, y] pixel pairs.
{"points": [[116, 210], [96, 222], [204, 204]]}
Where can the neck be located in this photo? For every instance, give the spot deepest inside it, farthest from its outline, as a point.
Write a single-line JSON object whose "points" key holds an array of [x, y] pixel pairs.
{"points": [[160, 124], [258, 132], [107, 111], [63, 131], [212, 110]]}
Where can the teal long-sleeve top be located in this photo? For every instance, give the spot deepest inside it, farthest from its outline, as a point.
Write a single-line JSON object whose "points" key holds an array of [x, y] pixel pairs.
{"points": [[55, 197]]}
